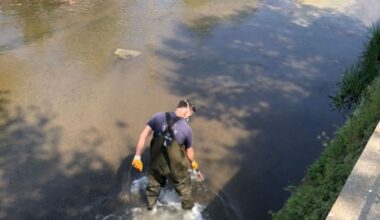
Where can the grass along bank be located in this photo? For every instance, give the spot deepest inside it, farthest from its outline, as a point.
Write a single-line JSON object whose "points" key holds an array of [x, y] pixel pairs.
{"points": [[360, 86], [359, 76]]}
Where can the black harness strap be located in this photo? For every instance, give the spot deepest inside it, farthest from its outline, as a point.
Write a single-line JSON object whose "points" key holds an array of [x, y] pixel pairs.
{"points": [[168, 130], [170, 122]]}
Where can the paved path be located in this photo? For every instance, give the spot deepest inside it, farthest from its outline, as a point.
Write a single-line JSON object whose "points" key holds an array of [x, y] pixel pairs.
{"points": [[360, 196]]}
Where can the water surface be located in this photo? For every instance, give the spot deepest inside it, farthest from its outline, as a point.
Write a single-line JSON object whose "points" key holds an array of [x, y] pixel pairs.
{"points": [[260, 72]]}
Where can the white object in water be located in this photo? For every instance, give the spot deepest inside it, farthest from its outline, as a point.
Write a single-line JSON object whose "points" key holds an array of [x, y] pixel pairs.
{"points": [[126, 54], [196, 175]]}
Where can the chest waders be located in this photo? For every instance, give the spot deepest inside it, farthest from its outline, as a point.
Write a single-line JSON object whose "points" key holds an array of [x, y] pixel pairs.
{"points": [[168, 161]]}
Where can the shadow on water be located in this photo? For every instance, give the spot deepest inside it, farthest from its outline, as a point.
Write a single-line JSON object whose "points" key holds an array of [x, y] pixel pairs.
{"points": [[37, 181], [269, 76]]}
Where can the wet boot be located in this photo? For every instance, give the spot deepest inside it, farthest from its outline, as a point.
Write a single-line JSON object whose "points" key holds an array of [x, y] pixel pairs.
{"points": [[155, 183], [180, 175]]}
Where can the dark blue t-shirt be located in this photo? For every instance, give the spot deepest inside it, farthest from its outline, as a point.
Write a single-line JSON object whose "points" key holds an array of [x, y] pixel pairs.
{"points": [[181, 129]]}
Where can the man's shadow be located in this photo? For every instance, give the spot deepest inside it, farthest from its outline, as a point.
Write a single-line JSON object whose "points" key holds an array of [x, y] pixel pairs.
{"points": [[120, 196], [125, 174]]}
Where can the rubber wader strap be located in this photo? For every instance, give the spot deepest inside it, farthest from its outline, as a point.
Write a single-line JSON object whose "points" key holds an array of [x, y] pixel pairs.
{"points": [[169, 130], [170, 124]]}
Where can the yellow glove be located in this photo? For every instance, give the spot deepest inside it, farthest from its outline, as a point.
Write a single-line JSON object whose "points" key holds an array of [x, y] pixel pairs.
{"points": [[194, 165], [137, 163]]}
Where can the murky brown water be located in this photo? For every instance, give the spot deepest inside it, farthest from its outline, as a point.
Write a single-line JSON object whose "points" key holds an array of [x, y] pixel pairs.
{"points": [[260, 71]]}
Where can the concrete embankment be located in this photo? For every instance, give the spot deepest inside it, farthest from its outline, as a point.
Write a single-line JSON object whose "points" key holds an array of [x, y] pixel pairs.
{"points": [[360, 196]]}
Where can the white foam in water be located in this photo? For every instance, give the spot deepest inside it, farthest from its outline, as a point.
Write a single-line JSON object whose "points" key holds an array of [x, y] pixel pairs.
{"points": [[168, 206], [161, 213], [169, 198], [139, 184]]}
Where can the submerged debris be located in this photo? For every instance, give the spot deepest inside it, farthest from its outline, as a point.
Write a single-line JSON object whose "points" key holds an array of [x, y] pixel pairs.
{"points": [[126, 54]]}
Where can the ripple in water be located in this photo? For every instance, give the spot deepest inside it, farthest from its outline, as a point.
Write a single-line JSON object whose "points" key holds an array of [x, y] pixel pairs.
{"points": [[169, 205]]}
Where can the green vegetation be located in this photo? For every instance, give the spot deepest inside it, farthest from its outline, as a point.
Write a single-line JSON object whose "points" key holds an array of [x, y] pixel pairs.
{"points": [[359, 76], [324, 180]]}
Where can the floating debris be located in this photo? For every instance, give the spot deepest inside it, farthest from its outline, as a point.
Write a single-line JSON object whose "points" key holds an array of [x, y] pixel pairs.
{"points": [[126, 54]]}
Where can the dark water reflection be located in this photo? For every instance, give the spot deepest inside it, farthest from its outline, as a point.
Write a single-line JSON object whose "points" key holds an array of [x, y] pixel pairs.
{"points": [[34, 183], [269, 75], [260, 72]]}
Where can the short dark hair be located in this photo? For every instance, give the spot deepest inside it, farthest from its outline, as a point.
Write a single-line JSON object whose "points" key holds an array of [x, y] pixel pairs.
{"points": [[186, 103]]}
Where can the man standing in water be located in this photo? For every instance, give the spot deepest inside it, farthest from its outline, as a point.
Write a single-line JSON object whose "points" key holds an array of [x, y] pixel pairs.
{"points": [[171, 152]]}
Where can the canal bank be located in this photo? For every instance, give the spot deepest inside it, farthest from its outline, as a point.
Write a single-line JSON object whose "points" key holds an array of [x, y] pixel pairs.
{"points": [[360, 196], [325, 178]]}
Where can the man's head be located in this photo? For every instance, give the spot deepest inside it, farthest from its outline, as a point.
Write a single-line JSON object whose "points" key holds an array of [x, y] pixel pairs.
{"points": [[185, 108]]}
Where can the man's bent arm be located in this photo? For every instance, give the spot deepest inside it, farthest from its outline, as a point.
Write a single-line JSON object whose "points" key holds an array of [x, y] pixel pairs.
{"points": [[142, 139], [190, 154]]}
